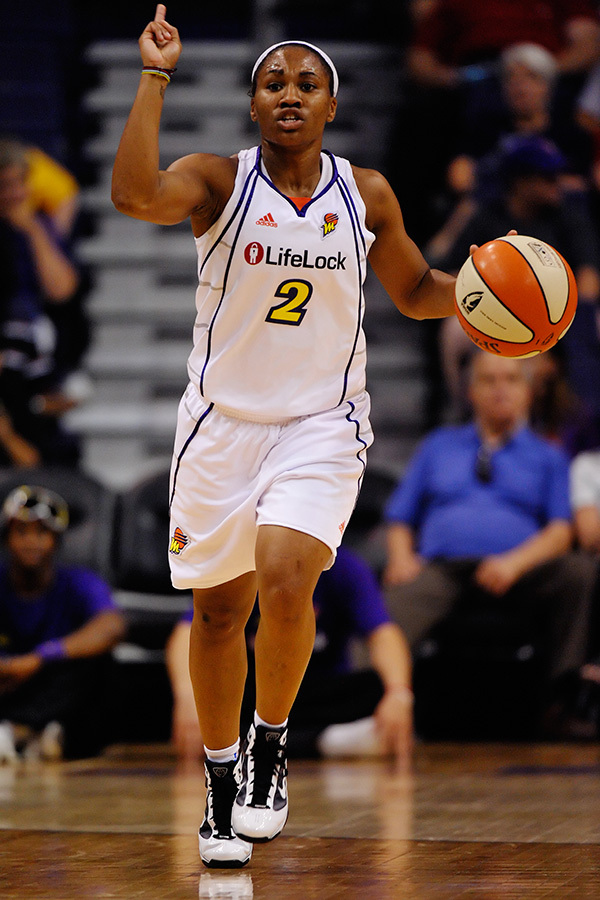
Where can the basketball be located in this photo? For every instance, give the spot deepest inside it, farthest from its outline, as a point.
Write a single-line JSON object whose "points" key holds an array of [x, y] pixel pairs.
{"points": [[515, 296]]}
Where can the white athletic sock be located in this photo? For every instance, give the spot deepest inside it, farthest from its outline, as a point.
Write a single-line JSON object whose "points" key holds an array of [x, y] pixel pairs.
{"points": [[259, 721], [227, 754]]}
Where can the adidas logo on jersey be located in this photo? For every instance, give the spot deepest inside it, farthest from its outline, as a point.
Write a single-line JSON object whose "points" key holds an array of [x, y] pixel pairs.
{"points": [[267, 220]]}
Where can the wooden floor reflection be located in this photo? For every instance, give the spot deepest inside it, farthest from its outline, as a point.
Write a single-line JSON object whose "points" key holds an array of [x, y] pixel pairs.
{"points": [[471, 821]]}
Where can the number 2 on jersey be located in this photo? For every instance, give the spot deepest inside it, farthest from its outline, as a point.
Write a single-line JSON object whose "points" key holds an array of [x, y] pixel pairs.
{"points": [[297, 293]]}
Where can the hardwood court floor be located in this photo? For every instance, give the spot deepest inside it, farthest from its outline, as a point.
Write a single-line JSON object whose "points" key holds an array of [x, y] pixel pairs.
{"points": [[483, 822]]}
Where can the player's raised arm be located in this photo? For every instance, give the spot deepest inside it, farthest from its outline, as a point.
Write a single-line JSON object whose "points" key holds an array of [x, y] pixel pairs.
{"points": [[139, 188], [417, 290]]}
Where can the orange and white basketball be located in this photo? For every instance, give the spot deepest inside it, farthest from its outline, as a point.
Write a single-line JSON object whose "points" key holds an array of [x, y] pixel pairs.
{"points": [[515, 296]]}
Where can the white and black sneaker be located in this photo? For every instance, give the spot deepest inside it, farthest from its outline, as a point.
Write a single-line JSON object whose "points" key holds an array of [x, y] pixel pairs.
{"points": [[220, 847], [261, 807]]}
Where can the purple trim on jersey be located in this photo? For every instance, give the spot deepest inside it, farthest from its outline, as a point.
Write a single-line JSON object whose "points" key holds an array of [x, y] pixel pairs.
{"points": [[363, 449], [226, 273], [354, 221], [185, 446], [350, 200], [301, 213], [228, 225]]}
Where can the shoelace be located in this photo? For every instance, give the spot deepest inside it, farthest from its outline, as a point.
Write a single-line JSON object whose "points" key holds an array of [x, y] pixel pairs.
{"points": [[223, 794], [268, 757]]}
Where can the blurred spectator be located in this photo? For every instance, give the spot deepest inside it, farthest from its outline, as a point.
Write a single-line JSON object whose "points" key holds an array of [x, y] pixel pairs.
{"points": [[37, 274], [470, 33], [53, 190], [454, 87], [338, 711], [557, 413], [482, 517], [54, 193], [585, 499], [534, 203], [57, 627], [528, 74], [576, 712]]}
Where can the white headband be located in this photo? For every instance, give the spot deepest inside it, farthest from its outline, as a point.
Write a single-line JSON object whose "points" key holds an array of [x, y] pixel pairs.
{"points": [[317, 50]]}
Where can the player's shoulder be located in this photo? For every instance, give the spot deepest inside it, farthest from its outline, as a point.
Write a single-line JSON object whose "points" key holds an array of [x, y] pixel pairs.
{"points": [[382, 208], [371, 183], [216, 175], [207, 165]]}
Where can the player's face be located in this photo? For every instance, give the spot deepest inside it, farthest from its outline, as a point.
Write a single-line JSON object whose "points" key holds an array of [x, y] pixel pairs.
{"points": [[30, 544], [500, 391], [292, 102]]}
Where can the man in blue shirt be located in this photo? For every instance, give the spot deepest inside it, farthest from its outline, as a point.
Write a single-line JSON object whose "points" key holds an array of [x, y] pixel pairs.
{"points": [[484, 510], [57, 627]]}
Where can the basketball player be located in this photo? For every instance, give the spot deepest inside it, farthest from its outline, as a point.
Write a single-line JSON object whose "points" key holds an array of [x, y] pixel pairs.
{"points": [[273, 428]]}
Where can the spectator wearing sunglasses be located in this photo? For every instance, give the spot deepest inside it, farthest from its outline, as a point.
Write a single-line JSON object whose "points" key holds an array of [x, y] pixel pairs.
{"points": [[58, 625], [483, 516]]}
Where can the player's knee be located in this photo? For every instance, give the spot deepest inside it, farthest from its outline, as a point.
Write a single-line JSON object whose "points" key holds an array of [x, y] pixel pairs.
{"points": [[215, 620], [284, 603]]}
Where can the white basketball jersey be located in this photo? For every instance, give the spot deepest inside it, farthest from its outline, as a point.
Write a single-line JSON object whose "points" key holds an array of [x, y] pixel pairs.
{"points": [[280, 303]]}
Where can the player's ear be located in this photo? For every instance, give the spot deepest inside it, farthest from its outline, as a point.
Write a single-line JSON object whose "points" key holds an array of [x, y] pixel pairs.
{"points": [[253, 115], [332, 109]]}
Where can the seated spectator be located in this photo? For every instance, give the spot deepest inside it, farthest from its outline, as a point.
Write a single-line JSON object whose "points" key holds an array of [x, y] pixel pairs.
{"points": [[585, 499], [460, 33], [57, 628], [483, 516], [453, 86], [588, 115], [338, 712], [53, 190], [527, 79], [535, 204], [37, 273], [576, 712], [557, 413]]}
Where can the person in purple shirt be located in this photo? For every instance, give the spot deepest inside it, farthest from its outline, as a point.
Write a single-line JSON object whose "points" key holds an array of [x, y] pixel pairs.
{"points": [[340, 710], [57, 627], [483, 515]]}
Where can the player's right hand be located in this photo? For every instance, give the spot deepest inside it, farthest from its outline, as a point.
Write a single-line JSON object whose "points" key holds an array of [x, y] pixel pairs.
{"points": [[159, 42]]}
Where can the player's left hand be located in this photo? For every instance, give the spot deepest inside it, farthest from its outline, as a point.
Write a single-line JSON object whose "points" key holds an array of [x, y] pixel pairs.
{"points": [[475, 247]]}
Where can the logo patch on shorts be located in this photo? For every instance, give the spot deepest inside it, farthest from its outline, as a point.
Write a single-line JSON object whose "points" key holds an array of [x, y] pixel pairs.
{"points": [[341, 527], [179, 541]]}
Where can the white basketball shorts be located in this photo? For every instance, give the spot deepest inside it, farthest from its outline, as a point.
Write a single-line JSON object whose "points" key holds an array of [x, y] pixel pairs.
{"points": [[229, 476]]}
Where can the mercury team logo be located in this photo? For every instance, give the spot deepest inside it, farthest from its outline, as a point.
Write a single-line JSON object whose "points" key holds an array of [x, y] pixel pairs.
{"points": [[254, 253], [330, 220], [179, 542]]}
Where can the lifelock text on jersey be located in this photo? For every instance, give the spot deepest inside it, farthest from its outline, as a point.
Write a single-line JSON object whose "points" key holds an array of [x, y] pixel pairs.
{"points": [[255, 253]]}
